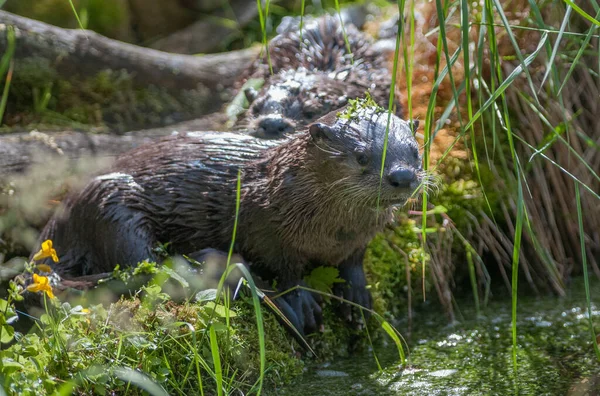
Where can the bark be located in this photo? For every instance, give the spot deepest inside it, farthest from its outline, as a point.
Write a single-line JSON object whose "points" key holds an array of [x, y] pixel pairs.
{"points": [[76, 52]]}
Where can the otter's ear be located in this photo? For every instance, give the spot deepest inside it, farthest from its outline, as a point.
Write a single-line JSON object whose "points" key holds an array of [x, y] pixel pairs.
{"points": [[250, 94], [320, 131], [414, 125]]}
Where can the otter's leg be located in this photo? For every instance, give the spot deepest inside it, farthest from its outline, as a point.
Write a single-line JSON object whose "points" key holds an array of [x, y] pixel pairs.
{"points": [[354, 288], [301, 307], [298, 306]]}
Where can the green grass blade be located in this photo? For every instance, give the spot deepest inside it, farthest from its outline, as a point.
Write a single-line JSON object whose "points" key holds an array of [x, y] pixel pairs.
{"points": [[76, 15], [583, 13], [139, 380], [238, 192], [399, 35], [248, 277], [566, 172], [575, 62], [515, 271], [513, 41], [10, 50], [260, 327], [339, 12], [262, 19], [473, 278], [409, 54], [557, 137], [214, 349], [508, 81], [443, 35], [391, 332], [550, 63], [394, 334], [585, 270], [5, 92], [302, 18], [6, 66]]}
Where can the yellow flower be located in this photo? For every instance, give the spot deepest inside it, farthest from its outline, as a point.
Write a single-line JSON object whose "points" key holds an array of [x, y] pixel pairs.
{"points": [[41, 283], [46, 251], [85, 311]]}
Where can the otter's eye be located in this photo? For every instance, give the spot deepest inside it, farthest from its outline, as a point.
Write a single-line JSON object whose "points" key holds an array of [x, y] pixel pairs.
{"points": [[362, 158], [257, 106], [416, 154]]}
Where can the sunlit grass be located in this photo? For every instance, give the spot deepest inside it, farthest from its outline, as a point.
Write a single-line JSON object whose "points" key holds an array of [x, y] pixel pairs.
{"points": [[262, 17], [6, 68], [489, 118], [81, 26]]}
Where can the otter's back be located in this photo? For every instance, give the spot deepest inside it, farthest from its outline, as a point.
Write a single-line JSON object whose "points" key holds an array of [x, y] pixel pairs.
{"points": [[179, 190]]}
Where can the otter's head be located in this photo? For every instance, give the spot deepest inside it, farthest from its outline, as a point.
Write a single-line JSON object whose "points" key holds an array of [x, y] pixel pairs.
{"points": [[292, 99], [349, 150]]}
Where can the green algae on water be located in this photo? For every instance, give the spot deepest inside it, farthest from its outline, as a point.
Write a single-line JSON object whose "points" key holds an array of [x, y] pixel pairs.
{"points": [[473, 356]]}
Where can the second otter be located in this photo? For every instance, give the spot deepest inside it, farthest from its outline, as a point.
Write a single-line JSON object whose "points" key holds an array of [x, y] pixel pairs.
{"points": [[312, 200], [316, 70]]}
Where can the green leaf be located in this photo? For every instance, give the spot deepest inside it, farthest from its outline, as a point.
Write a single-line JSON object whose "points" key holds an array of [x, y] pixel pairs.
{"points": [[8, 364], [176, 276], [206, 295], [8, 333], [220, 310], [323, 278], [141, 381]]}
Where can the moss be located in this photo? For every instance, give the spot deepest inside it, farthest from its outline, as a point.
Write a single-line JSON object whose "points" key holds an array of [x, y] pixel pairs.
{"points": [[108, 100], [358, 107], [385, 266], [242, 349]]}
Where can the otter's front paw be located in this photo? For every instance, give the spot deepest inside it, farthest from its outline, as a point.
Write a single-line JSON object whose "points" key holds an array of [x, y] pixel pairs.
{"points": [[302, 310], [354, 289]]}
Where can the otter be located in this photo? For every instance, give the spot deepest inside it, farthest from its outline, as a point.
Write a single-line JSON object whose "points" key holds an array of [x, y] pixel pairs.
{"points": [[314, 199], [314, 72]]}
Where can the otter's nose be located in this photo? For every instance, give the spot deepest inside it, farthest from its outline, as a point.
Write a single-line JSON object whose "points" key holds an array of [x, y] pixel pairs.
{"points": [[401, 177], [274, 127]]}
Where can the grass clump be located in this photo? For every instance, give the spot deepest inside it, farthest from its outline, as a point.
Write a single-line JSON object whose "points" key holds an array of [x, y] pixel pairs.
{"points": [[174, 345]]}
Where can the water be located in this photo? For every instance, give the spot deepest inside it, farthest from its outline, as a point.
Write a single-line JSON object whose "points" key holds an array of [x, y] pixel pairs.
{"points": [[474, 355]]}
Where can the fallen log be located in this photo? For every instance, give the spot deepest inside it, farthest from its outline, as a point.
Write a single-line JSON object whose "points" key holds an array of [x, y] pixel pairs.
{"points": [[20, 151], [89, 79], [83, 52]]}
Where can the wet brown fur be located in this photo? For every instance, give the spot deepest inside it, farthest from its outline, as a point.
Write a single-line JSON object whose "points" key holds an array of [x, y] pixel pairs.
{"points": [[304, 202]]}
